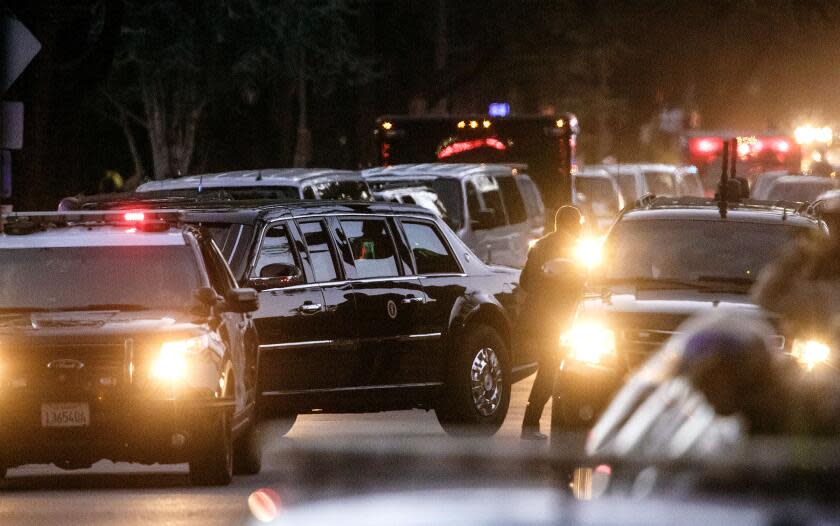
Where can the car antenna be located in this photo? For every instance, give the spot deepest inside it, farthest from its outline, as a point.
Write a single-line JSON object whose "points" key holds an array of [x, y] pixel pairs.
{"points": [[724, 179]]}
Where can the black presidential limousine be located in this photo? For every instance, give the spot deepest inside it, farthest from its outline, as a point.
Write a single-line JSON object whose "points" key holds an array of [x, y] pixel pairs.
{"points": [[370, 307]]}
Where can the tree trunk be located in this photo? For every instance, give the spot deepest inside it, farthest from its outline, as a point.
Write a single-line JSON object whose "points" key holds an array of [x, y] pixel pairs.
{"points": [[173, 113], [303, 146], [155, 115], [139, 172]]}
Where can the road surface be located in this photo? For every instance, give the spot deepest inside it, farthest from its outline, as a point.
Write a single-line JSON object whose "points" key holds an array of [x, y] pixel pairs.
{"points": [[129, 494]]}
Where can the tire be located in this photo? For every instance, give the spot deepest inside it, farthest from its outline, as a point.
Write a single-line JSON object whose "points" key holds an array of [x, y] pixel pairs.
{"points": [[247, 451], [212, 457], [477, 394]]}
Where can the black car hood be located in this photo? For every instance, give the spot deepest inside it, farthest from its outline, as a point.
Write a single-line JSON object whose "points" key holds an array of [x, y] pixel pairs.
{"points": [[681, 302], [645, 317], [99, 324]]}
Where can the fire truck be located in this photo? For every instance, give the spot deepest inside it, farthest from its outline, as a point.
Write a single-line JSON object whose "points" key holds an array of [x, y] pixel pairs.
{"points": [[756, 153]]}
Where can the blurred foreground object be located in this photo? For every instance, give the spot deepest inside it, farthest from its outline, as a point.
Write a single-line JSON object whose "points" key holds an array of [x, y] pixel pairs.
{"points": [[714, 383], [803, 284]]}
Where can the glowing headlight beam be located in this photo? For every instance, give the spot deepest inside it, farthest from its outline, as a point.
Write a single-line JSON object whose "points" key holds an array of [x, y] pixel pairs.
{"points": [[171, 364], [810, 352], [589, 342], [589, 251]]}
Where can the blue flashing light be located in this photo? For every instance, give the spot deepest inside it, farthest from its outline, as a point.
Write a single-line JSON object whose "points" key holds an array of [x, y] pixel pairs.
{"points": [[499, 109]]}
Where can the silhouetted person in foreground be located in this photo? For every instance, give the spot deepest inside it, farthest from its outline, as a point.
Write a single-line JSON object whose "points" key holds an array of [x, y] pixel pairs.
{"points": [[551, 302]]}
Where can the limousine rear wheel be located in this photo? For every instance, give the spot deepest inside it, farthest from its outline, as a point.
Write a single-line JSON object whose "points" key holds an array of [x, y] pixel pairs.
{"points": [[477, 395]]}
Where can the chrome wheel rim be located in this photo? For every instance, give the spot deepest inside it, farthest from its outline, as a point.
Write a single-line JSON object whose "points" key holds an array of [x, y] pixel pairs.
{"points": [[486, 381]]}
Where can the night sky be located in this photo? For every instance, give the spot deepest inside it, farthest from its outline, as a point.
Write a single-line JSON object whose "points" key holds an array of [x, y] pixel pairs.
{"points": [[746, 65]]}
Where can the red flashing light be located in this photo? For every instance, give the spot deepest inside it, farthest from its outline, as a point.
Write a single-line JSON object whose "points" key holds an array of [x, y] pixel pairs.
{"points": [[782, 146], [604, 469], [464, 146], [706, 145], [134, 216]]}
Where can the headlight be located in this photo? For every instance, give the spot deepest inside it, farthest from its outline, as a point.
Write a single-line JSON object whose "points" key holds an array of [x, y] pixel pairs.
{"points": [[172, 364], [589, 342], [588, 251], [810, 352]]}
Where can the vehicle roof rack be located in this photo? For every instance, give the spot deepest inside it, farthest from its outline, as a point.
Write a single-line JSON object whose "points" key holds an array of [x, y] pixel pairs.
{"points": [[645, 200]]}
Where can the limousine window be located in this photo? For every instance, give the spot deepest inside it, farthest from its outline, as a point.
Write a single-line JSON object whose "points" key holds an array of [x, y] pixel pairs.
{"points": [[316, 236], [373, 249], [276, 248], [430, 252]]}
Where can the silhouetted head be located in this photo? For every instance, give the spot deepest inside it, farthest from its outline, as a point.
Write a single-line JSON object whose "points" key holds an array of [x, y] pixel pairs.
{"points": [[568, 220]]}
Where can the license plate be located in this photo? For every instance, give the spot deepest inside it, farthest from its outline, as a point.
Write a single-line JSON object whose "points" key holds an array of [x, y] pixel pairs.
{"points": [[65, 415]]}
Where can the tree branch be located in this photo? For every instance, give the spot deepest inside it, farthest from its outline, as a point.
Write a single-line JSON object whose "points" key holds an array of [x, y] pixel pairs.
{"points": [[125, 111]]}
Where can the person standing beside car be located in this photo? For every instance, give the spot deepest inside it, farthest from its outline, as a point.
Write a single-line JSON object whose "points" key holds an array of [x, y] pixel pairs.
{"points": [[550, 304]]}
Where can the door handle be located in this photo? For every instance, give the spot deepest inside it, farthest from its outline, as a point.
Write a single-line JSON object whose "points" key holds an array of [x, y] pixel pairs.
{"points": [[310, 308], [412, 299]]}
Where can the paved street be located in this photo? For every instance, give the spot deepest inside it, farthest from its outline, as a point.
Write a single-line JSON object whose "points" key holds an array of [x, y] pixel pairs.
{"points": [[131, 494]]}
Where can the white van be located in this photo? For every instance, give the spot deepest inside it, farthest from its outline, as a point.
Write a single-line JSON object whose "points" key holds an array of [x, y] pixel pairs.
{"points": [[636, 180], [496, 209], [597, 195]]}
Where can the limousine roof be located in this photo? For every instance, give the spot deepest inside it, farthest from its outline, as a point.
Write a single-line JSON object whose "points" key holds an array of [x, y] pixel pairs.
{"points": [[248, 212], [251, 178], [453, 170]]}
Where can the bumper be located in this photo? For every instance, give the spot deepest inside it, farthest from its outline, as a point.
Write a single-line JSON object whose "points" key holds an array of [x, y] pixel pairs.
{"points": [[144, 431], [584, 391]]}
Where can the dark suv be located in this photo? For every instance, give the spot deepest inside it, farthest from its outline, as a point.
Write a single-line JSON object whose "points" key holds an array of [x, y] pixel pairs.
{"points": [[664, 260], [124, 336], [372, 307]]}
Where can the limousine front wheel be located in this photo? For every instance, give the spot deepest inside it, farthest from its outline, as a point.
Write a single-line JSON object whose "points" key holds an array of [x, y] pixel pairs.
{"points": [[477, 395]]}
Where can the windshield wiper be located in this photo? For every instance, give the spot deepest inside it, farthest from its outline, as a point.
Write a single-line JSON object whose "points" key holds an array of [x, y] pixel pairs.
{"points": [[734, 280], [727, 279], [658, 282]]}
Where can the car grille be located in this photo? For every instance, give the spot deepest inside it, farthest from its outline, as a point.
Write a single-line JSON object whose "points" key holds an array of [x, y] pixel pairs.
{"points": [[637, 345], [82, 366]]}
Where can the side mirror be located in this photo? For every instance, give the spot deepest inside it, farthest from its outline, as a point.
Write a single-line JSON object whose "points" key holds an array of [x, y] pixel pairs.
{"points": [[206, 300], [277, 275], [487, 218], [207, 296], [243, 300]]}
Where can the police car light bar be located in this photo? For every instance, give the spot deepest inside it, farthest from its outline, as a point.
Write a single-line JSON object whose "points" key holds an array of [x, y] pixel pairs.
{"points": [[134, 216], [112, 217]]}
